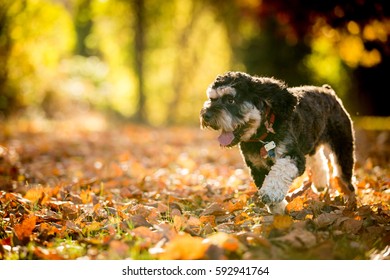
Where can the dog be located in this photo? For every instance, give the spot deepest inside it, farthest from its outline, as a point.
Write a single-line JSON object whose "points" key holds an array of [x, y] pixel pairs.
{"points": [[281, 132]]}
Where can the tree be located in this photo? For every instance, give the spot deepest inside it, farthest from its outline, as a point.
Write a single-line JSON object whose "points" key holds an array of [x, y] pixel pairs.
{"points": [[8, 97], [363, 39], [139, 50], [83, 26]]}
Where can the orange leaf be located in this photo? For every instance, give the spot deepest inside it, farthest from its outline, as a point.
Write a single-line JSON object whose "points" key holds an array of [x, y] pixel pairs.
{"points": [[184, 247], [282, 222], [231, 207], [24, 229], [45, 254], [37, 194], [296, 204], [224, 241], [48, 229], [208, 220], [147, 234], [240, 219], [179, 222]]}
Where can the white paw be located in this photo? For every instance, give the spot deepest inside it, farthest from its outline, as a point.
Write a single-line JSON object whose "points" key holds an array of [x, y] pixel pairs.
{"points": [[271, 195], [278, 208], [277, 183]]}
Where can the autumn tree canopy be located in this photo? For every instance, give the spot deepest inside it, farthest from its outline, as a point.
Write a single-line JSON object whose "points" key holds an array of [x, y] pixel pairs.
{"points": [[151, 62]]}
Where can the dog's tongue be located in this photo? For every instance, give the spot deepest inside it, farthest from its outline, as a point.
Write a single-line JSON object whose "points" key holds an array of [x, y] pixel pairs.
{"points": [[226, 138]]}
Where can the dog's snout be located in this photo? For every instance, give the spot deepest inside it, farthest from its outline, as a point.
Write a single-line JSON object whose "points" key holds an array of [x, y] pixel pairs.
{"points": [[207, 115]]}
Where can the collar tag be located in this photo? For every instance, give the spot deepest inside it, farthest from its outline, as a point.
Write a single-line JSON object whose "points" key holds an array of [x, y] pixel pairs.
{"points": [[268, 150], [270, 146]]}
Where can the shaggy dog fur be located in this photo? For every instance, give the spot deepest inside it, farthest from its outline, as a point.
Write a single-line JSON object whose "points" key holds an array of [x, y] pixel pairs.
{"points": [[281, 131]]}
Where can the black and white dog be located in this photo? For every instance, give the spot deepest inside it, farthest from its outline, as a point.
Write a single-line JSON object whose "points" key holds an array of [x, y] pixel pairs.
{"points": [[281, 131]]}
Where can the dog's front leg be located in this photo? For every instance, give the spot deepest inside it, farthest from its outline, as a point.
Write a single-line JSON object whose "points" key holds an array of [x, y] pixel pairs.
{"points": [[276, 184]]}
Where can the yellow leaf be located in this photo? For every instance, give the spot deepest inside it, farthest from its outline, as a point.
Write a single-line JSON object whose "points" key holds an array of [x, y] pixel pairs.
{"points": [[37, 194], [282, 222], [93, 226]]}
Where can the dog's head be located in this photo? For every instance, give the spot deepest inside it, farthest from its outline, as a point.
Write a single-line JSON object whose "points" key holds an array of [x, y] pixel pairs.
{"points": [[237, 104]]}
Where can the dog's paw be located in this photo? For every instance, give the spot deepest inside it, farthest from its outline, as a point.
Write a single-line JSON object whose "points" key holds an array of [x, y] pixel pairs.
{"points": [[275, 202], [277, 208], [270, 196]]}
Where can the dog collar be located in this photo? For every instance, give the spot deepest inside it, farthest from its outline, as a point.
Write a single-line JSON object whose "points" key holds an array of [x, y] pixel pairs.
{"points": [[267, 150], [268, 123]]}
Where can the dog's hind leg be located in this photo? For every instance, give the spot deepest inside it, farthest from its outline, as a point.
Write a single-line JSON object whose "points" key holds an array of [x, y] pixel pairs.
{"points": [[342, 146], [317, 166]]}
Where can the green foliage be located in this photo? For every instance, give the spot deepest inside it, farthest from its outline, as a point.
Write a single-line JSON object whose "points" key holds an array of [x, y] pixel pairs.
{"points": [[61, 56], [40, 35]]}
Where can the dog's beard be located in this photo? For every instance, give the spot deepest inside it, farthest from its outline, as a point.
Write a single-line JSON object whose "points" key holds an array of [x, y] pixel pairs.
{"points": [[234, 128]]}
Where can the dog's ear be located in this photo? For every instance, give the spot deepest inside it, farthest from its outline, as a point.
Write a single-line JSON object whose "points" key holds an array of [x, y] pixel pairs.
{"points": [[274, 93], [260, 103]]}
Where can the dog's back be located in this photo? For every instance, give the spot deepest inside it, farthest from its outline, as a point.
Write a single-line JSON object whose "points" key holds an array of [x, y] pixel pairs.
{"points": [[320, 118]]}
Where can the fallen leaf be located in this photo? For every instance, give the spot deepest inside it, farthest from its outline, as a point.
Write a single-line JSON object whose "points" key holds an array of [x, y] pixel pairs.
{"points": [[147, 234], [326, 219], [69, 211], [242, 218], [179, 222], [296, 204], [214, 209], [282, 222], [298, 238], [184, 247], [45, 254], [352, 226], [231, 207], [36, 194], [224, 240], [207, 220], [118, 249], [25, 228], [93, 226], [47, 230]]}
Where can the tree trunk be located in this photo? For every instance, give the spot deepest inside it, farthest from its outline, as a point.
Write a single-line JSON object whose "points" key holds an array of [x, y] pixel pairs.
{"points": [[139, 9], [84, 25]]}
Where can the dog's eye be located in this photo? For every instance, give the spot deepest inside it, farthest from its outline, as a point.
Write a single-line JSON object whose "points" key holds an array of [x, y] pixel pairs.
{"points": [[230, 100]]}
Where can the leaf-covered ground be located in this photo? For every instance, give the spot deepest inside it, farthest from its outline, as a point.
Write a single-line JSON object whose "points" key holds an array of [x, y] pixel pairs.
{"points": [[134, 192]]}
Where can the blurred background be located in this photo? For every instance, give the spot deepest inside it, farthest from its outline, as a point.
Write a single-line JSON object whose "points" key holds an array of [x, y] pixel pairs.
{"points": [[151, 61]]}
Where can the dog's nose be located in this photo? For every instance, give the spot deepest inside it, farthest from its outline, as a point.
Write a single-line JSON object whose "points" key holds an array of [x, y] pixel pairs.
{"points": [[207, 116]]}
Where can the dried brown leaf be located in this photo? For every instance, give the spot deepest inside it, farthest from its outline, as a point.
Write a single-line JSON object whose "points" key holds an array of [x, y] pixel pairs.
{"points": [[298, 238], [352, 226], [139, 221], [214, 209], [326, 219]]}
